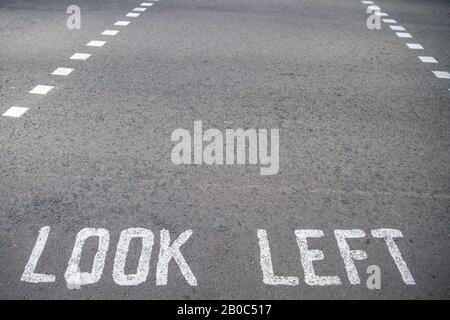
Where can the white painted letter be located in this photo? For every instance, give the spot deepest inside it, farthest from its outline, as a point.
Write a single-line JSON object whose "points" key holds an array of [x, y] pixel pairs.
{"points": [[123, 245], [266, 264], [167, 252], [28, 274], [348, 255], [308, 256], [72, 271], [388, 235]]}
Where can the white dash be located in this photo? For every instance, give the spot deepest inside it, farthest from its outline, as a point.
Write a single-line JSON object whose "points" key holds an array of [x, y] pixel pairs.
{"points": [[139, 9], [110, 32], [389, 21], [15, 112], [415, 46], [41, 89], [80, 56], [381, 14], [403, 35], [146, 4], [442, 74], [62, 71], [367, 2], [427, 59], [95, 43], [373, 8], [122, 23], [133, 15], [397, 28]]}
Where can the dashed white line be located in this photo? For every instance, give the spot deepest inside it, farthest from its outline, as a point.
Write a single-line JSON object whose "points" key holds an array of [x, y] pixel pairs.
{"points": [[133, 14], [15, 112], [41, 89], [122, 23], [95, 43], [110, 32], [415, 46], [403, 35], [442, 74], [62, 71], [412, 46], [397, 28], [427, 59], [80, 56]]}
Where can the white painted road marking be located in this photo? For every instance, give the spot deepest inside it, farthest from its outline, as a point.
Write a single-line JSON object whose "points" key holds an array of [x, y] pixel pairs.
{"points": [[41, 89], [95, 43], [388, 235], [167, 252], [427, 59], [62, 71], [265, 261], [397, 28], [122, 23], [349, 255], [73, 269], [29, 274], [110, 32], [403, 35], [415, 46], [123, 246], [15, 112], [80, 56], [442, 74], [307, 256], [75, 278]]}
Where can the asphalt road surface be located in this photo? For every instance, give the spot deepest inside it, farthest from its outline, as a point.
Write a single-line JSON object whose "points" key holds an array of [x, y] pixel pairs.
{"points": [[364, 145]]}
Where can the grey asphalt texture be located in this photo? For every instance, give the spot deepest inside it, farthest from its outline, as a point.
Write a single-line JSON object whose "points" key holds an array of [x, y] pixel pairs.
{"points": [[364, 142]]}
